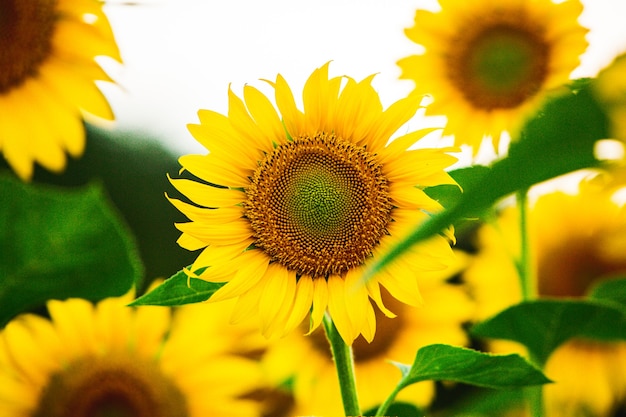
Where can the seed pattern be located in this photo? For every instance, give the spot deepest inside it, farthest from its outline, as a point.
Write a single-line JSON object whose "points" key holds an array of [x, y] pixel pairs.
{"points": [[318, 205]]}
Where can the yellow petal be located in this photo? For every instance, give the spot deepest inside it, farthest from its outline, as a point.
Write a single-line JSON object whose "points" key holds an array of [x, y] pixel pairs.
{"points": [[273, 297], [253, 270], [292, 116], [207, 195], [214, 170], [320, 302], [339, 310], [303, 300], [264, 114]]}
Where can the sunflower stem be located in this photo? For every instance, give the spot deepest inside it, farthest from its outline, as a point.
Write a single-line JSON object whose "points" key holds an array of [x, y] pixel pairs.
{"points": [[525, 267], [344, 362], [382, 410], [528, 284]]}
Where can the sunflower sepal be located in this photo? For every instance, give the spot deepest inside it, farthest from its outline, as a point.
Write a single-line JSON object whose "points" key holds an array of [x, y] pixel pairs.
{"points": [[179, 289], [550, 323], [440, 362]]}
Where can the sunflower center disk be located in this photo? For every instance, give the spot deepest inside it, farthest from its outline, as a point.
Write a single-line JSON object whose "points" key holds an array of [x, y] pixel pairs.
{"points": [[318, 205], [112, 386], [501, 66], [26, 30]]}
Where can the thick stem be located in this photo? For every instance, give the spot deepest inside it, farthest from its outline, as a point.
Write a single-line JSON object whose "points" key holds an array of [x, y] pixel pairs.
{"points": [[344, 362]]}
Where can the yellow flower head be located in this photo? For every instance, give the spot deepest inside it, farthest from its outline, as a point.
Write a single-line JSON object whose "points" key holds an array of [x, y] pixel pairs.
{"points": [[47, 74], [315, 385], [291, 206], [577, 240], [487, 64], [610, 88], [110, 359]]}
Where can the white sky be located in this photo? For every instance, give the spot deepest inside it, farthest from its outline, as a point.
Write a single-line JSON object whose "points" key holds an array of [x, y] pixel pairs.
{"points": [[180, 55]]}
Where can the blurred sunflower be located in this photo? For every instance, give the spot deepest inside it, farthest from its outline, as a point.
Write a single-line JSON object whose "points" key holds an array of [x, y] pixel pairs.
{"points": [[577, 241], [112, 360], [610, 88], [291, 208], [314, 381], [488, 64], [47, 74]]}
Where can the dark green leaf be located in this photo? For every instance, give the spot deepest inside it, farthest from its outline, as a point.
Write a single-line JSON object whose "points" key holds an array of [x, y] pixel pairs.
{"points": [[467, 178], [543, 325], [559, 140], [58, 243], [398, 409], [179, 289], [453, 363], [611, 290]]}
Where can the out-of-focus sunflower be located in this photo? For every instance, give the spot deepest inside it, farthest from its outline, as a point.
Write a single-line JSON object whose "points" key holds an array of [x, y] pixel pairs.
{"points": [[610, 88], [314, 380], [47, 74], [577, 240], [488, 64], [290, 208], [110, 359]]}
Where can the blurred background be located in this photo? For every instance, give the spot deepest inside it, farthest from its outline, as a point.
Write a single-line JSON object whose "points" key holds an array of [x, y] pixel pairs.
{"points": [[180, 56]]}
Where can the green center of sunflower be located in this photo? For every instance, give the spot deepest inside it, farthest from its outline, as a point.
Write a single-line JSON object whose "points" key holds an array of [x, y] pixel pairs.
{"points": [[112, 386], [500, 66], [318, 205], [26, 30]]}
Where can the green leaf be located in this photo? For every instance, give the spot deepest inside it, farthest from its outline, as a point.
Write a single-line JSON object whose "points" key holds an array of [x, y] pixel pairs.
{"points": [[467, 178], [179, 289], [59, 243], [452, 363], [559, 140], [613, 290], [543, 325], [398, 409]]}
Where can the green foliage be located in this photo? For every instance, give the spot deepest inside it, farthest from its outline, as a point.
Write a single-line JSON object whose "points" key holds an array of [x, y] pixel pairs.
{"points": [[543, 325], [60, 243], [177, 290], [612, 290], [453, 363], [559, 140], [398, 409]]}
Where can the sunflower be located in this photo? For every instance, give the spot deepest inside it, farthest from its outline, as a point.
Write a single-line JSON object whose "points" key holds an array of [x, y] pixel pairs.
{"points": [[489, 63], [314, 381], [290, 209], [47, 74], [610, 88], [110, 359], [577, 241]]}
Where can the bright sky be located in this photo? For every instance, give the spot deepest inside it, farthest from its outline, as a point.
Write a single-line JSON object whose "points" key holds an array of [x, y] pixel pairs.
{"points": [[181, 55]]}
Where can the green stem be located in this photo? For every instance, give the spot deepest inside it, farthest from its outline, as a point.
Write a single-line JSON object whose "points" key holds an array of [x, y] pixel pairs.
{"points": [[382, 410], [528, 284], [344, 362], [525, 265]]}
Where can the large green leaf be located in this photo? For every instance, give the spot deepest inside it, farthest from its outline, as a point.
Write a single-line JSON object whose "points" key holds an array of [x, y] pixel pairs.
{"points": [[613, 290], [543, 325], [59, 243], [453, 363], [559, 140], [177, 290]]}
